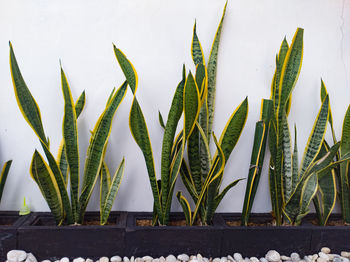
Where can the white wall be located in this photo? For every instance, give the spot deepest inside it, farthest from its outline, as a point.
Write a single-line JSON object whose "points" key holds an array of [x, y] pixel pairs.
{"points": [[156, 37]]}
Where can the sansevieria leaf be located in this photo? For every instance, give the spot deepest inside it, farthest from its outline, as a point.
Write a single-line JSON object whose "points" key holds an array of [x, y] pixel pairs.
{"points": [[70, 136], [212, 65], [46, 181], [98, 141], [112, 193], [139, 129], [31, 114], [25, 100]]}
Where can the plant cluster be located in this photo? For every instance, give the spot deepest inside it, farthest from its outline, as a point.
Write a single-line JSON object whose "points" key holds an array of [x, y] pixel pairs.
{"points": [[186, 147]]}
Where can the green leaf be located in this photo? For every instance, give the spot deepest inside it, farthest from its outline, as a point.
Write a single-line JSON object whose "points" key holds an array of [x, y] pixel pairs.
{"points": [[127, 68], [3, 176], [70, 136], [61, 158], [328, 191], [139, 129], [287, 159], [174, 171], [46, 181], [295, 163], [316, 137], [174, 116], [185, 207], [25, 100], [212, 181], [233, 129], [191, 105], [196, 48], [212, 64], [31, 113], [161, 121], [323, 94], [112, 193], [105, 184], [291, 69], [308, 192], [344, 169], [256, 161], [98, 141]]}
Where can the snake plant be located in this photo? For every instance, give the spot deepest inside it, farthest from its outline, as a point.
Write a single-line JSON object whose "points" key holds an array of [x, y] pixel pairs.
{"points": [[202, 174], [172, 151], [292, 188], [325, 199], [52, 176]]}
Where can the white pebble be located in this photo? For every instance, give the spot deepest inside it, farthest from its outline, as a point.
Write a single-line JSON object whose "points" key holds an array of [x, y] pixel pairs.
{"points": [[161, 259], [323, 255], [344, 259], [147, 258], [262, 259], [46, 260], [285, 258], [64, 259], [89, 260], [230, 258], [183, 257], [205, 259], [254, 259], [132, 259], [216, 259], [314, 257], [237, 256], [321, 259], [31, 258], [295, 257], [126, 259], [326, 250], [343, 254], [247, 259], [155, 260], [170, 258], [16, 255], [138, 259], [223, 259], [116, 259], [79, 259], [273, 256], [330, 256], [307, 258], [104, 259]]}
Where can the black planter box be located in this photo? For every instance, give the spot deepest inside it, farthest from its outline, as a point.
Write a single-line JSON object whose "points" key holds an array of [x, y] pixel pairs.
{"points": [[45, 240], [337, 238], [257, 240], [164, 240], [9, 222]]}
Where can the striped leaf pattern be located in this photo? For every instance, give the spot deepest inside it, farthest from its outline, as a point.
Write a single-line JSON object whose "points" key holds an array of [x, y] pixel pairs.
{"points": [[212, 65], [112, 192], [98, 141], [70, 136], [43, 176]]}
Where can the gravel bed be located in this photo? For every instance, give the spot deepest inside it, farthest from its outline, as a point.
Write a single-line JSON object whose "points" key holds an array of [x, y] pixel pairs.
{"points": [[325, 255]]}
